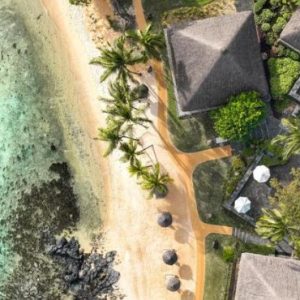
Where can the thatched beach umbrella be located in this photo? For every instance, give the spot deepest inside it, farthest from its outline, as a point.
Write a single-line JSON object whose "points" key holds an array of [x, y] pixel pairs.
{"points": [[170, 257], [173, 284], [165, 219]]}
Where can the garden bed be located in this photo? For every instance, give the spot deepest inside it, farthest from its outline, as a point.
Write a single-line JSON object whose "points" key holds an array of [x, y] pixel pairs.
{"points": [[219, 264]]}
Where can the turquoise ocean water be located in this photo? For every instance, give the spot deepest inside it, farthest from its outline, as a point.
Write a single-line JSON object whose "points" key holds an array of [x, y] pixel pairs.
{"points": [[38, 192]]}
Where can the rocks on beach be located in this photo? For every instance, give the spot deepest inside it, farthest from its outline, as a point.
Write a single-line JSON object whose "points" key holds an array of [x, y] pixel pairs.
{"points": [[86, 276]]}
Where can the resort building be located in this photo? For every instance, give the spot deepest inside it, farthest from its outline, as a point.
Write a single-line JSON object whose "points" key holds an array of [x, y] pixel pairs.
{"points": [[213, 59], [267, 278], [290, 35]]}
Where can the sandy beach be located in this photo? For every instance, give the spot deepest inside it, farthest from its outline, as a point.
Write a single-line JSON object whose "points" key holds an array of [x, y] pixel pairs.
{"points": [[129, 217]]}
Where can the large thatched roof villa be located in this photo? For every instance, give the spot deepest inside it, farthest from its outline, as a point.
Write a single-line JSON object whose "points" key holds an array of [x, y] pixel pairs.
{"points": [[267, 278], [290, 35], [213, 59]]}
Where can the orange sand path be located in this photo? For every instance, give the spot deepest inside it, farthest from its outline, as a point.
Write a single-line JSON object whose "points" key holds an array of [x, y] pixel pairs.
{"points": [[185, 163]]}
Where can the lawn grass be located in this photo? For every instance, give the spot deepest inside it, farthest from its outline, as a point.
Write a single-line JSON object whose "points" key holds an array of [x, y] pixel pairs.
{"points": [[218, 272], [188, 134], [156, 8], [209, 181]]}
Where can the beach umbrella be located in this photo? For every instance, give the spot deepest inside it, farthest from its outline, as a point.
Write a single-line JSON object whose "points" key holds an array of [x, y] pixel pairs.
{"points": [[261, 174], [173, 284], [165, 219], [242, 205], [170, 257]]}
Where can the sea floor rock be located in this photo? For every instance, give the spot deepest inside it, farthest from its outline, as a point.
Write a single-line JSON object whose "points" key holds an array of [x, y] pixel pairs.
{"points": [[87, 276]]}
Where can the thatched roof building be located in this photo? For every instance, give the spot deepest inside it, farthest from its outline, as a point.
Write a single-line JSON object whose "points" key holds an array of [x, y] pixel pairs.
{"points": [[267, 278], [290, 35], [213, 59]]}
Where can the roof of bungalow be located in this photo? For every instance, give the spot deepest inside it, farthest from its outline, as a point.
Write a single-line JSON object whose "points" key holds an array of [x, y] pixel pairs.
{"points": [[213, 59], [290, 35], [267, 278]]}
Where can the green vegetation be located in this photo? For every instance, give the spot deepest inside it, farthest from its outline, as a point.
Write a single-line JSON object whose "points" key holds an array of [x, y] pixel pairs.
{"points": [[283, 74], [290, 142], [156, 8], [80, 2], [210, 183], [274, 156], [188, 13], [155, 182], [272, 16], [150, 43], [220, 262], [188, 134], [117, 58], [240, 116], [284, 220], [124, 109]]}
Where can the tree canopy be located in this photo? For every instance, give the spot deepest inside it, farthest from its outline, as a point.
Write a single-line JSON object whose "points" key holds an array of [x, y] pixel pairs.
{"points": [[240, 116], [284, 220]]}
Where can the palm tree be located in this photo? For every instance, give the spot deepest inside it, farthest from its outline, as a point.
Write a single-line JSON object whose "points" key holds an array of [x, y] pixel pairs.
{"points": [[137, 169], [130, 151], [273, 226], [290, 142], [156, 182], [120, 91], [113, 135], [116, 59], [126, 114], [151, 42]]}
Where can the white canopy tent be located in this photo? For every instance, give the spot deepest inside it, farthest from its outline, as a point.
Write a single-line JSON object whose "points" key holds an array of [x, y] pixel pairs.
{"points": [[242, 205], [261, 174]]}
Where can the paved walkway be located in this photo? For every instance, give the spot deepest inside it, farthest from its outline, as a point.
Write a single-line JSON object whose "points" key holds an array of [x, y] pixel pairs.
{"points": [[185, 163]]}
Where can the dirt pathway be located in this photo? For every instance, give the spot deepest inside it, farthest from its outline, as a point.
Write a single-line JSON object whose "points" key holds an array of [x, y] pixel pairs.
{"points": [[185, 163]]}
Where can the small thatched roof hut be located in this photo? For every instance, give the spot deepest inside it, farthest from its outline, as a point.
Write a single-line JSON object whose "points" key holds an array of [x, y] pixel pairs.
{"points": [[290, 36], [170, 257], [213, 59], [165, 219], [173, 284]]}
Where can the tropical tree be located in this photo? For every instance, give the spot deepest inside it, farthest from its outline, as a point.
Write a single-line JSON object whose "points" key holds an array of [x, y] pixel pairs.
{"points": [[283, 222], [126, 114], [130, 151], [155, 182], [120, 91], [137, 169], [113, 135], [272, 225], [290, 142], [151, 42], [116, 59], [240, 116]]}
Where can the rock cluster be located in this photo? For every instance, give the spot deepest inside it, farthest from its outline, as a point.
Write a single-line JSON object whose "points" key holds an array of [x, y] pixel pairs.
{"points": [[86, 276]]}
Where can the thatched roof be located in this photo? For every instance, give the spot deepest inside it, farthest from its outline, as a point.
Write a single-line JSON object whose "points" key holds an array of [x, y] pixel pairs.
{"points": [[213, 59], [170, 257], [290, 35], [173, 284], [165, 219], [268, 278]]}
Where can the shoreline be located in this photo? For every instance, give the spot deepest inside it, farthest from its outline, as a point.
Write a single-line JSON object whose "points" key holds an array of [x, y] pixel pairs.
{"points": [[129, 219]]}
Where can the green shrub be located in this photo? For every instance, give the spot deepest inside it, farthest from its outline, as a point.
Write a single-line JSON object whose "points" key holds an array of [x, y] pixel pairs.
{"points": [[228, 253], [271, 38], [258, 5], [240, 116], [265, 16], [265, 27], [283, 72], [279, 25], [238, 164]]}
